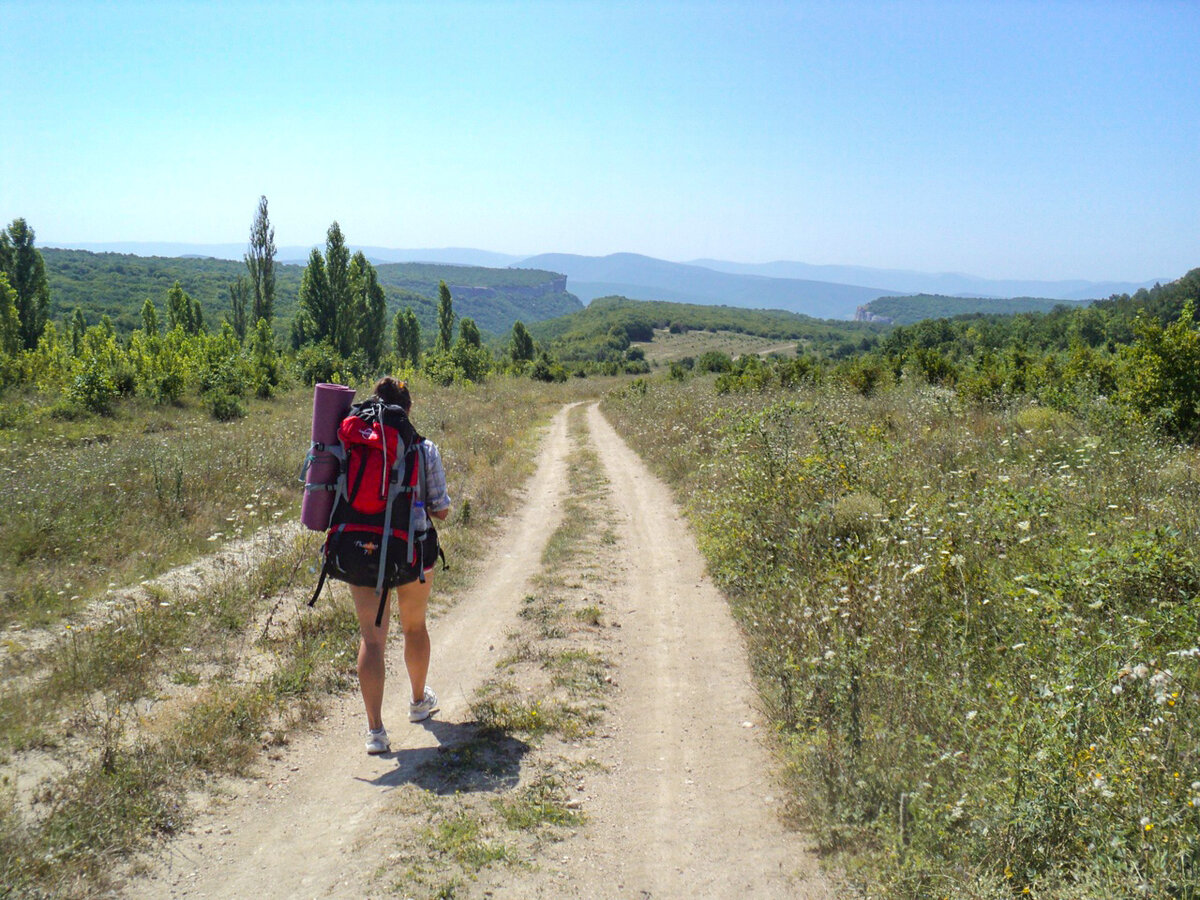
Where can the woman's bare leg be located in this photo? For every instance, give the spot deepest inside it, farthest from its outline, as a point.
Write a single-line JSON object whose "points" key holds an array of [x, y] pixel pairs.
{"points": [[412, 600], [371, 645]]}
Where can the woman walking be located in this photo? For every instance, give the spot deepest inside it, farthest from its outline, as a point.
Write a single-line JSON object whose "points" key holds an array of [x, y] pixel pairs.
{"points": [[412, 598]]}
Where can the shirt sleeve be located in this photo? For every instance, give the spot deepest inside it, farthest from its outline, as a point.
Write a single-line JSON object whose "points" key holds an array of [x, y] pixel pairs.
{"points": [[437, 497]]}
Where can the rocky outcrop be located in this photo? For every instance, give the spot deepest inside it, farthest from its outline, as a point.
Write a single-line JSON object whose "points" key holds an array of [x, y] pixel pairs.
{"points": [[864, 314], [528, 292]]}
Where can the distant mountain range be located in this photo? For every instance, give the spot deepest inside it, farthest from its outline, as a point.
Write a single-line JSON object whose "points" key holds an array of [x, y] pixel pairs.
{"points": [[955, 284], [833, 292]]}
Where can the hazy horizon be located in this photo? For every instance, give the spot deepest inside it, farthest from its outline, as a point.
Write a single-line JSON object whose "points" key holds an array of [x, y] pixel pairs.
{"points": [[1009, 140]]}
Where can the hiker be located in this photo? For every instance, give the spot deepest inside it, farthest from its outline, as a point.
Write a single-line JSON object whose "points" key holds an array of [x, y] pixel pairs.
{"points": [[412, 599]]}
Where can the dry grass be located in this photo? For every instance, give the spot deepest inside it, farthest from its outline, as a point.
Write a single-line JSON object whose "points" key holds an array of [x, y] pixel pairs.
{"points": [[194, 680], [975, 628]]}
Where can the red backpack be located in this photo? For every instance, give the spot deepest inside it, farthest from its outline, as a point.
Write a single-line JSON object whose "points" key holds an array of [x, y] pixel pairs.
{"points": [[380, 489]]}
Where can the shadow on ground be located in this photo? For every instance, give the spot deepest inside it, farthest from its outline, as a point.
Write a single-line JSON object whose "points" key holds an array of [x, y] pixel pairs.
{"points": [[468, 758]]}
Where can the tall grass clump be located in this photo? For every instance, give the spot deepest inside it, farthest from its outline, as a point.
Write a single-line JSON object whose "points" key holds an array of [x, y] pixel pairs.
{"points": [[976, 629]]}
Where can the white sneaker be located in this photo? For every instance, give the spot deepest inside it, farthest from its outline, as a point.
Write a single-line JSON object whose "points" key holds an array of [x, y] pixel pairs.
{"points": [[418, 712], [377, 742]]}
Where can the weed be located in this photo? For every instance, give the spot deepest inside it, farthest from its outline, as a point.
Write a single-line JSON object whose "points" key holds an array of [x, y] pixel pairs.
{"points": [[975, 629], [543, 802], [590, 615]]}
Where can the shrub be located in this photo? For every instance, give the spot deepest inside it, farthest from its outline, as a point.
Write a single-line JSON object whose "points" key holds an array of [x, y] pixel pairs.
{"points": [[714, 361], [225, 407], [93, 388], [318, 363], [1161, 374]]}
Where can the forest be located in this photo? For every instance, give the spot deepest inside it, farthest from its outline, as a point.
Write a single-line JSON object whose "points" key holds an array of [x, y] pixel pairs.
{"points": [[907, 310]]}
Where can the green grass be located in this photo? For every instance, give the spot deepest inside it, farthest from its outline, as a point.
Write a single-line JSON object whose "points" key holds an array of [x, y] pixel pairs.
{"points": [[237, 669], [975, 629]]}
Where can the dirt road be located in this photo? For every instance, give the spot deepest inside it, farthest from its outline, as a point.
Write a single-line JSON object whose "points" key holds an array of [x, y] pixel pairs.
{"points": [[680, 803]]}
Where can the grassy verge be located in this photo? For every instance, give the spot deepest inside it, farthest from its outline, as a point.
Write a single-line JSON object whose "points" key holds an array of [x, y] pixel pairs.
{"points": [[976, 630], [114, 721], [125, 766], [498, 798]]}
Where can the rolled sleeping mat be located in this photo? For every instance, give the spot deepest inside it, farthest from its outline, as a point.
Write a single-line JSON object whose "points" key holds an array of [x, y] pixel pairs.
{"points": [[331, 403]]}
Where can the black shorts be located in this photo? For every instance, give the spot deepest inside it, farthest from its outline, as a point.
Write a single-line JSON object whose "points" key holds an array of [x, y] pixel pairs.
{"points": [[352, 555]]}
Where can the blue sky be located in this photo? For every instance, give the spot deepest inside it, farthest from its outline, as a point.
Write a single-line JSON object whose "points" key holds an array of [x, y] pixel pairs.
{"points": [[1007, 139]]}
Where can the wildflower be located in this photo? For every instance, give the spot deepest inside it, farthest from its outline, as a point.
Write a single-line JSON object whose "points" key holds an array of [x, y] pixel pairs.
{"points": [[957, 560]]}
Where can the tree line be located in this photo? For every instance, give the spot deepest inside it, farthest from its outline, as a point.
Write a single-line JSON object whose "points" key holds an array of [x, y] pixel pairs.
{"points": [[1133, 358], [340, 332]]}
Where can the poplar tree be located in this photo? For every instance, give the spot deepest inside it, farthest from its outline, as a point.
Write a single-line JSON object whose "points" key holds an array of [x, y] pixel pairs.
{"points": [[337, 271], [78, 330], [10, 324], [520, 348], [183, 311], [26, 272], [445, 317], [149, 318], [468, 332], [369, 309], [260, 260], [317, 319], [239, 295], [407, 332]]}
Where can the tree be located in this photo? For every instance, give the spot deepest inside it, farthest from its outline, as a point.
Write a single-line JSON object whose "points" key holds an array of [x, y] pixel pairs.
{"points": [[369, 309], [78, 329], [1162, 373], [239, 295], [337, 273], [260, 260], [183, 311], [317, 318], [520, 347], [468, 332], [265, 359], [149, 318], [407, 335], [10, 323], [26, 272], [445, 317]]}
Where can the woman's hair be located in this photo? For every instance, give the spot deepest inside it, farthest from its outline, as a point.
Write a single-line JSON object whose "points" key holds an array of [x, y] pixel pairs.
{"points": [[394, 392]]}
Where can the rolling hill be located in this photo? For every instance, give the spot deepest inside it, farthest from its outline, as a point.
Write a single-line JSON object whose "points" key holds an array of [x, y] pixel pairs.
{"points": [[117, 284], [646, 278], [899, 281], [906, 310]]}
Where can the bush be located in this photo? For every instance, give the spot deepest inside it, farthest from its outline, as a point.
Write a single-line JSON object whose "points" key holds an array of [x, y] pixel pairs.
{"points": [[1161, 375], [225, 407], [316, 363], [714, 361], [93, 388]]}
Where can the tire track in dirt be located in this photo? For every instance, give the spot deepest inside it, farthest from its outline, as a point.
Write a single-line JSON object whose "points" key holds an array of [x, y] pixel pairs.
{"points": [[309, 826], [688, 807]]}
